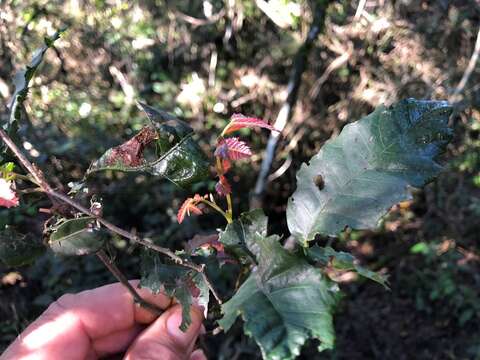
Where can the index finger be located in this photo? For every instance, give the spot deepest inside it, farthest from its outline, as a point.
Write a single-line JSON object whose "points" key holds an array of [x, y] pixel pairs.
{"points": [[109, 308], [76, 321]]}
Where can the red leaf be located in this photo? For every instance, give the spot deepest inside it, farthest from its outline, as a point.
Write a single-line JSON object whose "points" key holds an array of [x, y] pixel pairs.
{"points": [[189, 205], [223, 187], [233, 149], [8, 197], [239, 121]]}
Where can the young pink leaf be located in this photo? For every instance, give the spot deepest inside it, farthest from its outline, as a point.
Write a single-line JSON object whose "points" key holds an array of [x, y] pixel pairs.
{"points": [[239, 121], [8, 198], [223, 187], [189, 205], [233, 149]]}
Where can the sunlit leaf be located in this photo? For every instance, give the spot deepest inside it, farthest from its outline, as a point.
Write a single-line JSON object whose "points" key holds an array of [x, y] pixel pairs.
{"points": [[18, 249], [239, 121], [186, 285], [177, 157], [77, 237], [284, 302], [22, 81], [343, 261], [189, 206], [358, 176]]}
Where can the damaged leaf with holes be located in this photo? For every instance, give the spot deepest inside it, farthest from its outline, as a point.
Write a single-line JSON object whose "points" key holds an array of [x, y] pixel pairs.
{"points": [[184, 284], [77, 237], [284, 302], [165, 148], [358, 176]]}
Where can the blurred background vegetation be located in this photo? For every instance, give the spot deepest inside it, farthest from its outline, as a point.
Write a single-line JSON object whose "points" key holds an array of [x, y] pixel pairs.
{"points": [[203, 61]]}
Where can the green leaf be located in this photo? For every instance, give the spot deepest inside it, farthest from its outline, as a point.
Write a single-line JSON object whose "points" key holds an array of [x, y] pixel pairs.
{"points": [[343, 261], [76, 237], [284, 302], [358, 176], [18, 249], [238, 235], [22, 81], [177, 158], [186, 285], [6, 171]]}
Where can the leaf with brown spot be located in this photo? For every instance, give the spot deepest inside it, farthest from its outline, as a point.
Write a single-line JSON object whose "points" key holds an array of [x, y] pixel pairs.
{"points": [[177, 157], [130, 153]]}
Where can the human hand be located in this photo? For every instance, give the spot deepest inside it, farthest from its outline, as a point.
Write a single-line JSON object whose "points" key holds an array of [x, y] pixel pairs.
{"points": [[105, 321]]}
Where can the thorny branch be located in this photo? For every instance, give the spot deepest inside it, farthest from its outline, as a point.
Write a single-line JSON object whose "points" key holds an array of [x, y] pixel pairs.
{"points": [[39, 178]]}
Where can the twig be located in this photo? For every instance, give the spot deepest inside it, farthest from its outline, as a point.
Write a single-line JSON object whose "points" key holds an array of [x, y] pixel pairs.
{"points": [[124, 281], [281, 170], [212, 68], [121, 78], [469, 70], [334, 65], [39, 178], [360, 7], [195, 22], [299, 66]]}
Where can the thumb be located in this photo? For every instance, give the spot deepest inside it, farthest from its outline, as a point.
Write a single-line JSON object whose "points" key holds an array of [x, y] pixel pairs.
{"points": [[164, 339]]}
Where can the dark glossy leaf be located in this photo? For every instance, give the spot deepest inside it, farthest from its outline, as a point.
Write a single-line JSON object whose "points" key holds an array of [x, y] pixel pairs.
{"points": [[238, 236], [76, 237], [343, 261], [186, 285], [178, 157], [284, 302], [18, 249], [358, 176], [22, 81]]}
